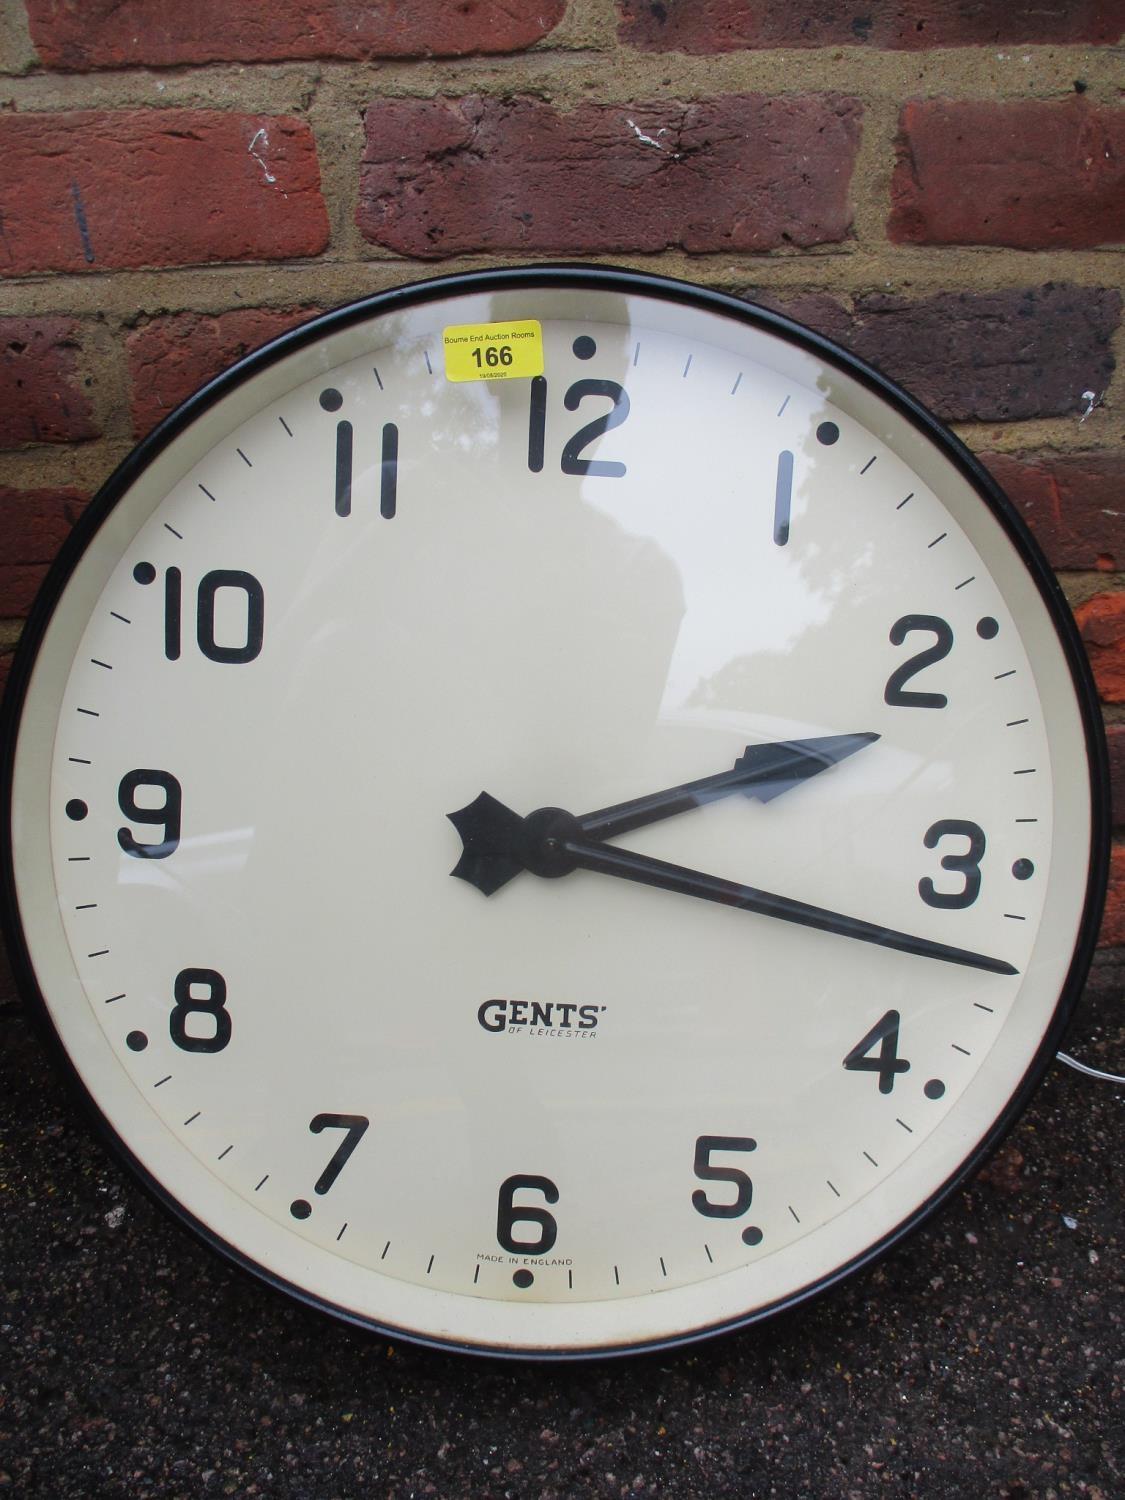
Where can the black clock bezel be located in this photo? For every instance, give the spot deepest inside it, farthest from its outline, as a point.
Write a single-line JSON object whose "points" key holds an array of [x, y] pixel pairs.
{"points": [[620, 281]]}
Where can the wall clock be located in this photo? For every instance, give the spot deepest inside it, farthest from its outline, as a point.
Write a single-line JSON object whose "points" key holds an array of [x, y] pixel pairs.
{"points": [[552, 812]]}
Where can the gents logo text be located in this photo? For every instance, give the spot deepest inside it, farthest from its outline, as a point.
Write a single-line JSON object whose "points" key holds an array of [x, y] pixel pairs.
{"points": [[530, 1018]]}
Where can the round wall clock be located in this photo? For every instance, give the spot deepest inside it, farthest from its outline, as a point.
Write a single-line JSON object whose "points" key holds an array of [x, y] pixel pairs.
{"points": [[552, 813]]}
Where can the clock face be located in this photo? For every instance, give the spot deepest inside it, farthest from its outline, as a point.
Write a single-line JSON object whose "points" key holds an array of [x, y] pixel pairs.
{"points": [[553, 864]]}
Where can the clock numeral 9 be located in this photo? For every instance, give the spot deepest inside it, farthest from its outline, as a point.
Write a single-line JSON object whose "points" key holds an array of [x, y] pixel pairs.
{"points": [[744, 1188], [166, 817], [509, 1214], [213, 1005], [884, 1035], [896, 693], [207, 596], [572, 462], [967, 864]]}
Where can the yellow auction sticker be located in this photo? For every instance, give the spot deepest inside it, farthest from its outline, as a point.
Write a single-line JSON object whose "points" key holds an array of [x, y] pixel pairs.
{"points": [[493, 351]]}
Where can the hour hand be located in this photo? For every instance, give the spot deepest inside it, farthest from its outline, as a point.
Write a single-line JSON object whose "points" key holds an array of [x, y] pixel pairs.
{"points": [[762, 771]]}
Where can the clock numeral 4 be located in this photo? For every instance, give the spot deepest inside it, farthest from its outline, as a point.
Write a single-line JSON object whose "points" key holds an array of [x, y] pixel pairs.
{"points": [[888, 1064], [509, 1213], [735, 1176]]}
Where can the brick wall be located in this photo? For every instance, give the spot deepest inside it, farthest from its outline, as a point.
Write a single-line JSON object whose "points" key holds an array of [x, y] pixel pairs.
{"points": [[938, 184]]}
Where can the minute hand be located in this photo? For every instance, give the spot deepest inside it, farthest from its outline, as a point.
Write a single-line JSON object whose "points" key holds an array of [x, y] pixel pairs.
{"points": [[763, 771], [606, 859]]}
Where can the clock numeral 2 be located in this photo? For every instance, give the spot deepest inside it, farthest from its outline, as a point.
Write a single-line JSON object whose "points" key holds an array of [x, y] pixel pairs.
{"points": [[572, 461], [884, 1035], [706, 1172], [509, 1214], [896, 693]]}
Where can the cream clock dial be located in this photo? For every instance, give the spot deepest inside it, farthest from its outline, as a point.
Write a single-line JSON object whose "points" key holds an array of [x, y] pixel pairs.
{"points": [[561, 863]]}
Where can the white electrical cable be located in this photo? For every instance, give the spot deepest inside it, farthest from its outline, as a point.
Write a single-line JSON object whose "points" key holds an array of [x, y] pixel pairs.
{"points": [[1081, 1067]]}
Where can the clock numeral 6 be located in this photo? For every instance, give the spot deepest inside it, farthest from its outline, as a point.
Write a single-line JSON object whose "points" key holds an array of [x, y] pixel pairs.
{"points": [[744, 1188], [896, 693], [166, 817], [509, 1214], [967, 864], [213, 1005], [233, 580]]}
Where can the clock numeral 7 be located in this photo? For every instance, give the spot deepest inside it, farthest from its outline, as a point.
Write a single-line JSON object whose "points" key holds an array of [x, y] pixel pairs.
{"points": [[572, 461], [706, 1172], [354, 1127], [509, 1213]]}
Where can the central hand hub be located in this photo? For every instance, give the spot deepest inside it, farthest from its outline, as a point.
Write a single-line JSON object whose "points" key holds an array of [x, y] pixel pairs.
{"points": [[545, 831]]}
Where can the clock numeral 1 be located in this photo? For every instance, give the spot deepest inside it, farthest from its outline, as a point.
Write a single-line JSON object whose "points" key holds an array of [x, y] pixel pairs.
{"points": [[509, 1214], [884, 1035]]}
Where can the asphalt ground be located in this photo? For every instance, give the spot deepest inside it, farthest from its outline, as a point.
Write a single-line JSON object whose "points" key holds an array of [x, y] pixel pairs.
{"points": [[982, 1357]]}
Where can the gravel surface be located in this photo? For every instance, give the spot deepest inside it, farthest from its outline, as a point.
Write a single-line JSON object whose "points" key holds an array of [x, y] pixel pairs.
{"points": [[984, 1357]]}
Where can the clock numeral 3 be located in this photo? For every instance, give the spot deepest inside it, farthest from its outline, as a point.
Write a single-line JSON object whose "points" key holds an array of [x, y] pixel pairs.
{"points": [[166, 817], [967, 864], [896, 692], [509, 1214], [213, 1005], [744, 1188], [884, 1035]]}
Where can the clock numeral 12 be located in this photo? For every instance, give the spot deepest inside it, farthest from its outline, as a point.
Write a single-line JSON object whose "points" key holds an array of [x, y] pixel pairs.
{"points": [[571, 461]]}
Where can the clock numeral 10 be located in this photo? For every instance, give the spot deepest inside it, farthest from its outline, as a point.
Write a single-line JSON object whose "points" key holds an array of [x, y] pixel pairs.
{"points": [[207, 596], [509, 1213]]}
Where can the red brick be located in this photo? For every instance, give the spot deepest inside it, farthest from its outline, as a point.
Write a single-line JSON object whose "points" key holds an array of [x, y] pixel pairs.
{"points": [[1113, 923], [33, 526], [1074, 504], [1030, 175], [42, 398], [86, 190], [172, 356], [738, 172], [1101, 623], [83, 34], [732, 25], [1115, 744], [978, 356]]}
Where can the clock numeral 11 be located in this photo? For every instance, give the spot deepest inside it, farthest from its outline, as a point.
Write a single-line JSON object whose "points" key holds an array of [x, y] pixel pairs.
{"points": [[388, 470]]}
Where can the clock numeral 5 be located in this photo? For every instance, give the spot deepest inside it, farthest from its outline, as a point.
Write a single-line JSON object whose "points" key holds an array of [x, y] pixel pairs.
{"points": [[967, 864], [166, 817], [744, 1188], [572, 461], [896, 693], [509, 1214], [884, 1035]]}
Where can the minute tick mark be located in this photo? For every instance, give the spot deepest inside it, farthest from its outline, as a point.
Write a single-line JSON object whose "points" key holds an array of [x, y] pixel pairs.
{"points": [[123, 618], [936, 540], [377, 377], [867, 465], [244, 459], [687, 367], [783, 405], [901, 503], [177, 534], [286, 425], [207, 492]]}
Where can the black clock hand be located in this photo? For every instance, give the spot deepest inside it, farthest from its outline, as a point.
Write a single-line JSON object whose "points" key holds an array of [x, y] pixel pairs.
{"points": [[499, 844], [762, 771]]}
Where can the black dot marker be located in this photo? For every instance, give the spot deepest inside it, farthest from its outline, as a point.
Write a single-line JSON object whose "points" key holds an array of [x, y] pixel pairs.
{"points": [[584, 347], [934, 1089], [1023, 869], [300, 1208], [331, 399], [144, 572], [76, 809], [523, 1279], [987, 628], [136, 1041], [753, 1235], [827, 433]]}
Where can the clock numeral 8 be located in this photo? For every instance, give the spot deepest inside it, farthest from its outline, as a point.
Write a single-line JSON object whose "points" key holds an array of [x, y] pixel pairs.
{"points": [[213, 1005], [509, 1214], [744, 1188]]}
